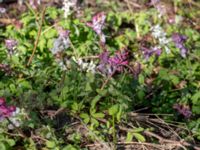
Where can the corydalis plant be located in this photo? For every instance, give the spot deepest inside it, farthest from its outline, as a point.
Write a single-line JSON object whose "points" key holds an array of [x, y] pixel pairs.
{"points": [[152, 51], [34, 3], [179, 40], [6, 69], [59, 46], [62, 42], [97, 25], [11, 45], [183, 110], [5, 111], [67, 6], [85, 66], [2, 10], [159, 34], [109, 65]]}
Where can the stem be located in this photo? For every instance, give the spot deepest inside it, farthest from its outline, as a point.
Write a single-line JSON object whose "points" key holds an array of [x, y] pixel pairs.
{"points": [[114, 132], [38, 37]]}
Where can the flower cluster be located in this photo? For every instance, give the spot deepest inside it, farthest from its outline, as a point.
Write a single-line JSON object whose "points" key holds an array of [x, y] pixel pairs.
{"points": [[183, 110], [97, 25], [109, 65], [179, 40], [6, 111], [17, 118], [161, 8], [61, 43], [86, 66], [6, 69], [14, 114], [159, 34], [34, 3], [67, 6], [11, 45], [2, 10], [149, 52]]}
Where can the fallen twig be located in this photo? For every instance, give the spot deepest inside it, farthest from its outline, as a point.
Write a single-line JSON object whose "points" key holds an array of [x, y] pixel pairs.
{"points": [[38, 37]]}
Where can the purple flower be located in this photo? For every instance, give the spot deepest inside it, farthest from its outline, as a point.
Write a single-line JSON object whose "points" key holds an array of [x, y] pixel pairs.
{"points": [[10, 45], [34, 3], [2, 10], [149, 52], [183, 110], [97, 24], [5, 111], [119, 60], [153, 2], [2, 101], [179, 40], [6, 69], [62, 32], [62, 42], [109, 65]]}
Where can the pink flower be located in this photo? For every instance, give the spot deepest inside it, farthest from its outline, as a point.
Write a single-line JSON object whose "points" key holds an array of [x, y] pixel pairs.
{"points": [[108, 65], [97, 24], [34, 3], [10, 44], [2, 101], [5, 111]]}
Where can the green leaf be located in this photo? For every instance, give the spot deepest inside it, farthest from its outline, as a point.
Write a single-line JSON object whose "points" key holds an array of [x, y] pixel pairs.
{"points": [[88, 87], [85, 117], [139, 137], [140, 129], [113, 110], [94, 122], [129, 137], [50, 144], [119, 114], [141, 94], [42, 44], [50, 34], [174, 79], [95, 100], [195, 109], [69, 147], [141, 79], [3, 146], [196, 98], [101, 92], [11, 142], [75, 106], [98, 115]]}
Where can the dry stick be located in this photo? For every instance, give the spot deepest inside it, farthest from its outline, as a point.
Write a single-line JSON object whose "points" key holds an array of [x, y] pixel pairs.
{"points": [[106, 81], [18, 129], [110, 76], [38, 37], [180, 143], [141, 143]]}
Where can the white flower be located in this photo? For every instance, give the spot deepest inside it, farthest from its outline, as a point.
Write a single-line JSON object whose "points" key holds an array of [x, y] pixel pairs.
{"points": [[159, 34], [86, 66], [67, 6], [2, 10]]}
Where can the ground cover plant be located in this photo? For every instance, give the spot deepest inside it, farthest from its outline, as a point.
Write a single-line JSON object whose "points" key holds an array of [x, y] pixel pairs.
{"points": [[98, 75]]}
